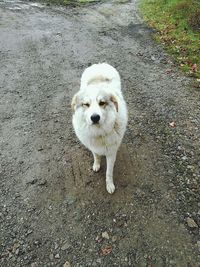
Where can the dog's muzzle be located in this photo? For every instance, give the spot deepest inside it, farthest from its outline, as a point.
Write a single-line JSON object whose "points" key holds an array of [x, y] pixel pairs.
{"points": [[95, 118]]}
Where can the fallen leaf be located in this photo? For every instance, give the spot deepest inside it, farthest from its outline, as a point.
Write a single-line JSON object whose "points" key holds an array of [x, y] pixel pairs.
{"points": [[98, 239], [191, 223], [193, 67], [106, 250], [172, 124]]}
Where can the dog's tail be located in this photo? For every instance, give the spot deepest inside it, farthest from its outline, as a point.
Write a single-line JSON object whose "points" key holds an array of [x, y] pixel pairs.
{"points": [[98, 73]]}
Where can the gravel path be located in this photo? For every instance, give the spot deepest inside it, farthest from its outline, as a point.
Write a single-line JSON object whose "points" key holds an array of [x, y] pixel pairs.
{"points": [[53, 208]]}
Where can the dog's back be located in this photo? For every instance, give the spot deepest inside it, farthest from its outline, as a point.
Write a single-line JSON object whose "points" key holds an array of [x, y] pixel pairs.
{"points": [[100, 73]]}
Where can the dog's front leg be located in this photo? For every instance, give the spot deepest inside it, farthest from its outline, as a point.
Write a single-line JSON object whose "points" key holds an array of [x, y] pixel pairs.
{"points": [[97, 162], [110, 160]]}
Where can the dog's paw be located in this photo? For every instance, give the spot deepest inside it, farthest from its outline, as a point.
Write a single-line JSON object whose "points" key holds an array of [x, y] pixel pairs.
{"points": [[110, 187], [96, 167]]}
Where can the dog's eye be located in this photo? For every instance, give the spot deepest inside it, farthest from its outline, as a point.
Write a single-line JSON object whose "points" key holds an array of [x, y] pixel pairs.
{"points": [[102, 103], [86, 105]]}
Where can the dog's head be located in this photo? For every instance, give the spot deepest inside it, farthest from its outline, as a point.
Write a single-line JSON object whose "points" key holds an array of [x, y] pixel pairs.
{"points": [[97, 108]]}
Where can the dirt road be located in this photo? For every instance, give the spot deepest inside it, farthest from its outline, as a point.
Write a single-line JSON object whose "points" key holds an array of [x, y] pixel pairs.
{"points": [[53, 208]]}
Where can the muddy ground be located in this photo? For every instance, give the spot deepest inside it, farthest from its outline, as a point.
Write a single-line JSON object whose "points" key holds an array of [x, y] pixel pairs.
{"points": [[53, 207]]}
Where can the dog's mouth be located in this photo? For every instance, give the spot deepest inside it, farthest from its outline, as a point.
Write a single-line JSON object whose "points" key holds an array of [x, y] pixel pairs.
{"points": [[96, 124]]}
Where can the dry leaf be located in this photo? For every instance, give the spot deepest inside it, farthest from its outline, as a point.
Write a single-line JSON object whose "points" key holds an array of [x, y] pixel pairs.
{"points": [[172, 124], [106, 250], [98, 239], [193, 67]]}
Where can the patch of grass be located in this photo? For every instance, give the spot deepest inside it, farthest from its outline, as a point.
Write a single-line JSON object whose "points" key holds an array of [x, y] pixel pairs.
{"points": [[178, 26]]}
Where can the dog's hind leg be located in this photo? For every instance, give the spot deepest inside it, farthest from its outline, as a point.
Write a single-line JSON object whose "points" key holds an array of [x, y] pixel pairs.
{"points": [[97, 162], [109, 173]]}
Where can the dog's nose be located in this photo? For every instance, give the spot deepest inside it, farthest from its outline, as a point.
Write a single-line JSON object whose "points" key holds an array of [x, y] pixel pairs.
{"points": [[95, 118]]}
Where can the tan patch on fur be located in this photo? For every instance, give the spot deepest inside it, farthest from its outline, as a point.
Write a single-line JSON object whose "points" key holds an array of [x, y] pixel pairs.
{"points": [[114, 100]]}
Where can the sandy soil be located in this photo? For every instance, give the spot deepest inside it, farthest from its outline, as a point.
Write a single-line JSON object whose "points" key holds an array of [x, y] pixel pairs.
{"points": [[53, 208]]}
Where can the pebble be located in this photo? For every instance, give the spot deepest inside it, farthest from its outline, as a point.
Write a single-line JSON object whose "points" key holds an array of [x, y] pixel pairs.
{"points": [[17, 251], [99, 260], [198, 245], [184, 158], [29, 232], [51, 256], [70, 200], [57, 256], [105, 235], [42, 181], [114, 239], [15, 247], [65, 246], [67, 264], [191, 223], [56, 246]]}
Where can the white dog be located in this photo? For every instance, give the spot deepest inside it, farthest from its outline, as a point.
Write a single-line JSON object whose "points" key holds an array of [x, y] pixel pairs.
{"points": [[100, 115]]}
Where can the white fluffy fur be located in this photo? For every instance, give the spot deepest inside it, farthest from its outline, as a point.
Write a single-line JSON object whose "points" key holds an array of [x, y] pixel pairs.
{"points": [[100, 93]]}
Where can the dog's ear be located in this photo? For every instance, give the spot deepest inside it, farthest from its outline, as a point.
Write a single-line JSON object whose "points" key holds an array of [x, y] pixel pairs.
{"points": [[113, 98], [74, 102]]}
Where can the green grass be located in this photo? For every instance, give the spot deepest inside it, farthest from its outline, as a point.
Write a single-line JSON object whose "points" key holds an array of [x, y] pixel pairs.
{"points": [[178, 26]]}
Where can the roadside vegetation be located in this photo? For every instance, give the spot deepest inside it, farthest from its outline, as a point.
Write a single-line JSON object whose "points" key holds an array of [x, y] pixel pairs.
{"points": [[178, 27]]}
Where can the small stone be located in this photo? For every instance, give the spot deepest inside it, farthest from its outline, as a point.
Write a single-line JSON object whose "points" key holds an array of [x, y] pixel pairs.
{"points": [[105, 235], [114, 239], [98, 239], [29, 232], [42, 181], [15, 247], [56, 246], [67, 264], [51, 256], [190, 167], [57, 256], [191, 223], [36, 242], [65, 246], [17, 251], [198, 245], [99, 260], [70, 200], [184, 158]]}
